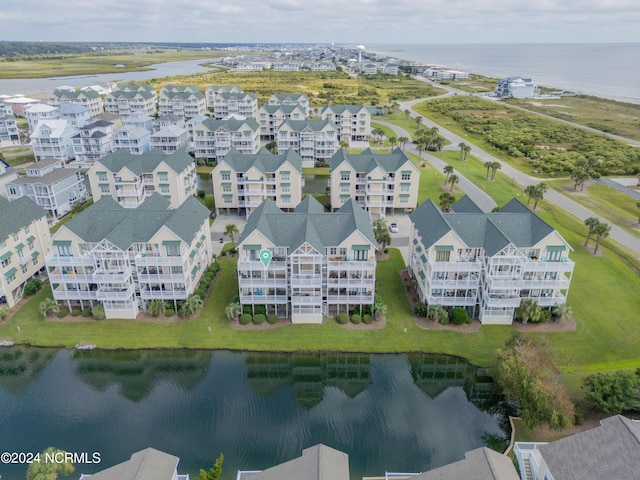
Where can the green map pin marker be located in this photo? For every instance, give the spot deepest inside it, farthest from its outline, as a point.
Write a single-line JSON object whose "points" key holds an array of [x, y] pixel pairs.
{"points": [[265, 257]]}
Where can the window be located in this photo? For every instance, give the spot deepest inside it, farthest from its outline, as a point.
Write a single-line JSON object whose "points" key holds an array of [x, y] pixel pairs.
{"points": [[226, 176], [344, 176], [404, 198], [343, 252], [333, 251], [285, 176], [102, 176], [286, 199], [65, 250], [24, 268], [286, 188], [15, 237], [360, 255], [11, 278], [163, 176], [104, 188], [6, 261], [173, 250], [164, 188], [404, 187], [13, 191], [406, 176], [226, 188], [443, 255], [345, 187]]}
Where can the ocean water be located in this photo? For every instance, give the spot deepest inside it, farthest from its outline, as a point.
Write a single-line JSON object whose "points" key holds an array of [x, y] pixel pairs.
{"points": [[606, 70]]}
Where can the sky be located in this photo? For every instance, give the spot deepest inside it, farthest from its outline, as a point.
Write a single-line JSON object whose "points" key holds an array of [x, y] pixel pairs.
{"points": [[323, 21]]}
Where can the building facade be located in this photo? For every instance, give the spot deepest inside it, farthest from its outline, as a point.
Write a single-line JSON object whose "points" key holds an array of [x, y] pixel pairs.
{"points": [[130, 179], [93, 141], [185, 101], [214, 90], [170, 139], [380, 183], [89, 98], [213, 139], [130, 99], [135, 140], [487, 262], [40, 111], [516, 87], [53, 139], [290, 99], [241, 182], [242, 104], [124, 258], [316, 141], [271, 117], [353, 121], [9, 131], [24, 242], [322, 263], [52, 187]]}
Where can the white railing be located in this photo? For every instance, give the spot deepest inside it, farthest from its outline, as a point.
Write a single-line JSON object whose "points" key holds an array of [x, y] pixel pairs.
{"points": [[542, 266], [355, 299], [164, 294], [310, 300], [535, 284], [460, 284], [493, 300], [452, 301], [161, 277], [61, 294], [70, 277], [56, 260], [258, 265], [260, 299], [351, 265], [150, 260], [504, 283], [104, 276], [107, 293]]}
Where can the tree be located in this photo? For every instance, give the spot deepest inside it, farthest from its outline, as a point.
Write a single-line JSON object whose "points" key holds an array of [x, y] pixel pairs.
{"points": [[190, 306], [613, 393], [446, 200], [53, 462], [561, 311], [379, 307], [48, 306], [525, 373], [538, 193], [344, 144], [379, 225], [591, 223], [233, 310], [407, 114], [530, 191], [418, 122], [420, 146], [464, 150], [495, 166], [453, 179], [487, 165], [4, 311], [579, 176], [156, 307], [447, 170], [383, 238], [393, 141], [528, 310], [272, 147], [230, 230], [438, 313], [403, 141], [378, 133], [214, 472], [600, 231]]}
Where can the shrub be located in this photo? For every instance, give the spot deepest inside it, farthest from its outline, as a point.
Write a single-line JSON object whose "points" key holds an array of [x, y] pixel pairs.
{"points": [[420, 309], [272, 319], [170, 311], [86, 312], [76, 313], [201, 193], [367, 319], [459, 316], [98, 312], [32, 286], [202, 293], [259, 318], [444, 320], [62, 313], [342, 318], [260, 309], [247, 310], [245, 319], [356, 319]]}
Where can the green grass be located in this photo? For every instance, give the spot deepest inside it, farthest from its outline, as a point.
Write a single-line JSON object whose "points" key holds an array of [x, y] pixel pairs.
{"points": [[475, 84], [316, 171], [388, 133], [203, 169], [400, 119], [609, 203]]}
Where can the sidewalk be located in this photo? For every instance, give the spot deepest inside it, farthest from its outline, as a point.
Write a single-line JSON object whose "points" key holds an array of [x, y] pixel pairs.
{"points": [[218, 227]]}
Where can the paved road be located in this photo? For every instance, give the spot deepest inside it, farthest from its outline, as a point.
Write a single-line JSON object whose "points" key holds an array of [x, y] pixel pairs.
{"points": [[621, 188], [628, 240]]}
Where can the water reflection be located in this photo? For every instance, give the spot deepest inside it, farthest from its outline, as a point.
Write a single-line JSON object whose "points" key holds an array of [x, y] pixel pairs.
{"points": [[20, 366]]}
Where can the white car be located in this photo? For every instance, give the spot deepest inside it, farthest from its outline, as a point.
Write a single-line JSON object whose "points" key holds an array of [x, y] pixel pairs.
{"points": [[393, 228]]}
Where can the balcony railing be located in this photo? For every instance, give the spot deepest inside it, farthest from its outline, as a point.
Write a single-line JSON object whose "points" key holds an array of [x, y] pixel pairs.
{"points": [[146, 260], [563, 266], [350, 299], [246, 265], [114, 293], [494, 300], [65, 261], [111, 276], [70, 277], [147, 294], [61, 294], [261, 299], [306, 300]]}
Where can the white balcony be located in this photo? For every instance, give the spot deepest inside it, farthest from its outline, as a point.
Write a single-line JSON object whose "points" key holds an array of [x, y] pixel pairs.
{"points": [[70, 278], [351, 299], [501, 301], [112, 276], [504, 283], [61, 294], [24, 260], [351, 265], [65, 261], [306, 300], [262, 299], [565, 265], [150, 294], [114, 293], [247, 265], [303, 280], [460, 284], [152, 260], [548, 284], [452, 301]]}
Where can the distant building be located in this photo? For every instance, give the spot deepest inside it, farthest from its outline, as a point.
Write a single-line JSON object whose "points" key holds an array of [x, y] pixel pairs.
{"points": [[271, 117], [77, 115], [286, 66], [516, 87], [243, 104], [353, 121], [185, 101], [314, 140], [214, 90], [390, 69], [9, 131], [93, 141], [440, 73], [147, 464], [215, 138], [369, 69], [130, 99], [290, 99], [40, 111], [323, 66], [52, 138], [89, 98], [135, 140]]}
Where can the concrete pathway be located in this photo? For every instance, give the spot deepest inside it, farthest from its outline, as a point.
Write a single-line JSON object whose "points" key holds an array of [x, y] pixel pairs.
{"points": [[217, 229]]}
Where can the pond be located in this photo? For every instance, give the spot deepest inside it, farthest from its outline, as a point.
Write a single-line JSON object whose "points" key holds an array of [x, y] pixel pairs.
{"points": [[388, 412]]}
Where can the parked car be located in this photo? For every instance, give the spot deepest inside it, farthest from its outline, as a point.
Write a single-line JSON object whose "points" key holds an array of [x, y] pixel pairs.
{"points": [[393, 228]]}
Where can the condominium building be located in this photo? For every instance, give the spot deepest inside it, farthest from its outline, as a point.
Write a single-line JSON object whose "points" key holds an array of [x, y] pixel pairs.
{"points": [[353, 121], [321, 264], [78, 115], [124, 258], [141, 120], [271, 117], [516, 87], [380, 183], [136, 140], [242, 104], [487, 262], [94, 141], [286, 66], [47, 183], [241, 182], [323, 67], [40, 111], [315, 140], [215, 138], [185, 101], [147, 464], [24, 242], [53, 139], [168, 120], [290, 99], [89, 98], [129, 99], [9, 131], [170, 139], [214, 90], [130, 179]]}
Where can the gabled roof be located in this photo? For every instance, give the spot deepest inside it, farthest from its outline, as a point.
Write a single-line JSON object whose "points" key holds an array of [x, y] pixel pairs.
{"points": [[465, 205], [340, 109], [17, 214], [177, 161], [108, 220], [313, 125], [231, 125], [147, 464], [264, 160], [310, 224], [237, 96], [479, 464], [131, 94], [91, 94], [610, 451], [367, 161], [316, 463], [47, 179], [292, 97], [286, 109]]}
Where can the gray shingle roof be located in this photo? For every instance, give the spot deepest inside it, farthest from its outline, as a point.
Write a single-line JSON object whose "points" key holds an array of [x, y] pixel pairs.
{"points": [[465, 205], [610, 451], [313, 125], [515, 224], [340, 109], [178, 161], [286, 109], [48, 178], [479, 464], [368, 161], [264, 160], [231, 125], [147, 464], [18, 214], [129, 94], [309, 223], [316, 463], [108, 220]]}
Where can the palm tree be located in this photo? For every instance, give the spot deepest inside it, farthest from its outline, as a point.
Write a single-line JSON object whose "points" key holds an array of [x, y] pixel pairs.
{"points": [[379, 307], [538, 193], [407, 114], [383, 238], [393, 141], [48, 306], [601, 231], [561, 311], [438, 313], [344, 144], [191, 305], [418, 122], [420, 147], [378, 133], [579, 176], [466, 150], [233, 310], [4, 311], [230, 230], [487, 165], [156, 307], [462, 146], [49, 470], [379, 225], [529, 191], [591, 223], [447, 170], [403, 141], [495, 166], [528, 310], [446, 200], [453, 179]]}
